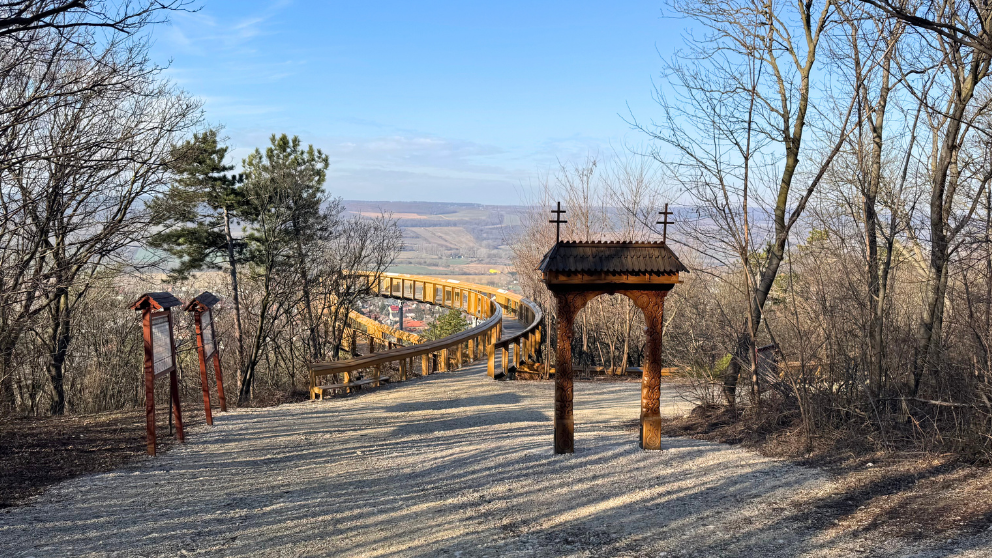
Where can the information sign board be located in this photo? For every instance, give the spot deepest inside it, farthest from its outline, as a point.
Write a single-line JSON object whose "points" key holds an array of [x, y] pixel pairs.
{"points": [[207, 329], [161, 343]]}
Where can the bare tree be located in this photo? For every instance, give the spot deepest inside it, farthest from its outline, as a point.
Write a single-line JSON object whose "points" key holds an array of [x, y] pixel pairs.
{"points": [[749, 95], [360, 244], [74, 177]]}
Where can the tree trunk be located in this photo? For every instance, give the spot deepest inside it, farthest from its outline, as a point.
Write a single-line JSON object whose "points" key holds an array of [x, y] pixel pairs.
{"points": [[745, 341], [8, 399], [312, 325], [248, 375], [626, 339], [59, 343], [944, 185], [875, 289]]}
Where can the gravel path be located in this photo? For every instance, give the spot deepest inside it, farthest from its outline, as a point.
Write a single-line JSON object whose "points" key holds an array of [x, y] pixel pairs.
{"points": [[451, 465]]}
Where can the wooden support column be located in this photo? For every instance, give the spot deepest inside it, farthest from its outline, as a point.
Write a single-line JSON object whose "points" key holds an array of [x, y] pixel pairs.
{"points": [[149, 383], [568, 305], [505, 355], [204, 385], [403, 367], [220, 383], [176, 412], [459, 351], [564, 425], [652, 303], [491, 360], [424, 365]]}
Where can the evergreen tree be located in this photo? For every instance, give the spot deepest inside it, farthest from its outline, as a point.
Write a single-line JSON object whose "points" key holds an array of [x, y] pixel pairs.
{"points": [[290, 220], [196, 215], [450, 323]]}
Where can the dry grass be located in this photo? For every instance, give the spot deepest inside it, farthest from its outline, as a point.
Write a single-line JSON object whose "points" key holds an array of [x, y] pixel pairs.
{"points": [[898, 493], [36, 453]]}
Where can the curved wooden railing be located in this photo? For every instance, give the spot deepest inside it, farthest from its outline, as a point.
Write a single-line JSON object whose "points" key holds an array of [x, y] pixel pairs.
{"points": [[486, 303], [381, 330]]}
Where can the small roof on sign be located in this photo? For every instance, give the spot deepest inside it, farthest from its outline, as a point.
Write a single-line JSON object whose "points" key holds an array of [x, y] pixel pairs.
{"points": [[156, 301], [204, 301]]}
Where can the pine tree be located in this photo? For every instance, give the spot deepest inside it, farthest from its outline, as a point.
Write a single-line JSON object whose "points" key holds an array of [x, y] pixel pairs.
{"points": [[290, 219], [450, 323], [196, 215]]}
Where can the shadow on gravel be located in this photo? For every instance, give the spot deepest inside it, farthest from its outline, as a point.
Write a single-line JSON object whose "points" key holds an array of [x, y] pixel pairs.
{"points": [[508, 398], [372, 477]]}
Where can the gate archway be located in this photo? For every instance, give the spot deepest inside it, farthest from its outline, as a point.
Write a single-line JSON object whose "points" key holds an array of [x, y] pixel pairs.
{"points": [[577, 272]]}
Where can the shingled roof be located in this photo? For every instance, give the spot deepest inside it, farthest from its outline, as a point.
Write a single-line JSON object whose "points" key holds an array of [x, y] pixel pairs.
{"points": [[160, 300], [206, 299], [622, 258]]}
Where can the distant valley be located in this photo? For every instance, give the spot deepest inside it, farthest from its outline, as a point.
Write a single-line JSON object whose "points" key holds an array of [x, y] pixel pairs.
{"points": [[466, 241]]}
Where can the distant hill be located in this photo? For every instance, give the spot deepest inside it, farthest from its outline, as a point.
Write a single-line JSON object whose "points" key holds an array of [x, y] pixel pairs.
{"points": [[457, 239]]}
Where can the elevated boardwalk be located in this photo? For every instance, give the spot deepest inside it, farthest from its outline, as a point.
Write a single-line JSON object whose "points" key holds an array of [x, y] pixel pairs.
{"points": [[518, 342]]}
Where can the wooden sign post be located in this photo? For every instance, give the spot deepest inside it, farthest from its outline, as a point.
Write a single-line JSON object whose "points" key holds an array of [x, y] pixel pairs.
{"points": [[160, 357], [206, 345]]}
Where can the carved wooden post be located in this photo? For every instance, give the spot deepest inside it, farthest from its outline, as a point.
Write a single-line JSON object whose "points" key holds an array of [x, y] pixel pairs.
{"points": [[653, 305], [149, 373], [491, 360], [563, 423]]}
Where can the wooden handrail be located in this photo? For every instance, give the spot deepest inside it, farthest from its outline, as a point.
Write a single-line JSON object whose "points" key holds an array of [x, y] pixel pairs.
{"points": [[535, 323], [386, 357], [375, 327], [450, 293]]}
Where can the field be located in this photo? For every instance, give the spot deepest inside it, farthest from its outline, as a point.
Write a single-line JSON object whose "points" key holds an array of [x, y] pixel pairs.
{"points": [[465, 241]]}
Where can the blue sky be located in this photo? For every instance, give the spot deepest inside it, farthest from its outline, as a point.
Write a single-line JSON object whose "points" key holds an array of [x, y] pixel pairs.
{"points": [[456, 101]]}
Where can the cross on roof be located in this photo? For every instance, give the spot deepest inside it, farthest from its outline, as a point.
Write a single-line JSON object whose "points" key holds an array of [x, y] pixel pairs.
{"points": [[664, 223], [558, 221]]}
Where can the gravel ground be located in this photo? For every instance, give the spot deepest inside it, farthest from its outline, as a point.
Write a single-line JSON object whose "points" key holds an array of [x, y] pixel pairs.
{"points": [[450, 465]]}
